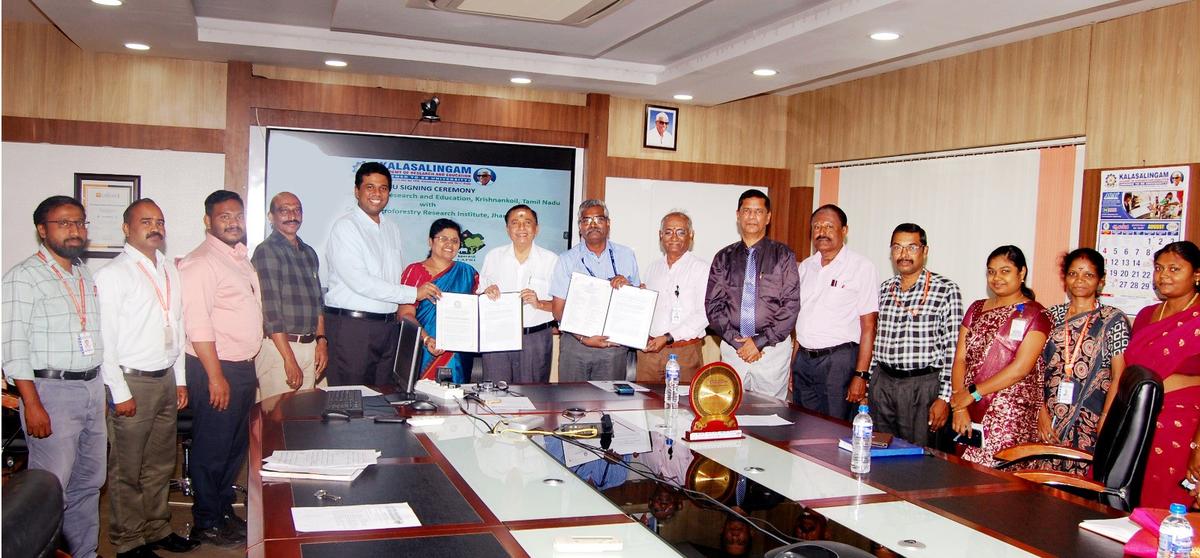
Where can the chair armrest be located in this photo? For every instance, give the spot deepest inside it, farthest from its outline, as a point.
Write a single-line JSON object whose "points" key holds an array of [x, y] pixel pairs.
{"points": [[1061, 479], [1026, 451]]}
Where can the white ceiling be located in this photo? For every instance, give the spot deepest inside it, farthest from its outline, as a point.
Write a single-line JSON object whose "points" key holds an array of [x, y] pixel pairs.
{"points": [[650, 49]]}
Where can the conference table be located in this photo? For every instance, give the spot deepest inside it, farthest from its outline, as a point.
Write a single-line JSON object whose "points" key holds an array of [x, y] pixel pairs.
{"points": [[482, 494]]}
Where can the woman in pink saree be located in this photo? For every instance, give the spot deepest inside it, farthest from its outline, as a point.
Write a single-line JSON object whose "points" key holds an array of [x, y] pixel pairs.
{"points": [[1166, 339], [998, 367]]}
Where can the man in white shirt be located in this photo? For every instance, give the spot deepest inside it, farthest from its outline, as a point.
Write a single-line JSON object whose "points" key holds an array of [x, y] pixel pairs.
{"points": [[839, 305], [141, 313], [365, 264], [658, 136], [523, 267], [680, 279]]}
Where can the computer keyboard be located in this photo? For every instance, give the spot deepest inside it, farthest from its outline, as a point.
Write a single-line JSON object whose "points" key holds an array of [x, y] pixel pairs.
{"points": [[348, 402]]}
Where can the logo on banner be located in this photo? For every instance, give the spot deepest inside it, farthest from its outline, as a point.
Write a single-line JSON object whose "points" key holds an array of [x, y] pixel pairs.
{"points": [[472, 243], [484, 176]]}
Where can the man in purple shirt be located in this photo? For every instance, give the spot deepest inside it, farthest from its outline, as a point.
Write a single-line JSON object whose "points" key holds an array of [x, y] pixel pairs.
{"points": [[752, 300]]}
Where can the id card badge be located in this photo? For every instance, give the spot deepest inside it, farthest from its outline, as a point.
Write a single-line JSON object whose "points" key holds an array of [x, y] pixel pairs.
{"points": [[169, 338], [87, 345], [676, 315], [1017, 331], [1066, 393]]}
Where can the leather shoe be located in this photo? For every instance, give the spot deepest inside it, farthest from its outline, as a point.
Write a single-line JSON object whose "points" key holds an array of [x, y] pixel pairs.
{"points": [[174, 543], [215, 536], [235, 525], [143, 551]]}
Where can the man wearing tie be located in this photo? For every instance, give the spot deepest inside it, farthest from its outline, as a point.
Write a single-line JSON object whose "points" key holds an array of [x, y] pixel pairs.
{"points": [[752, 299]]}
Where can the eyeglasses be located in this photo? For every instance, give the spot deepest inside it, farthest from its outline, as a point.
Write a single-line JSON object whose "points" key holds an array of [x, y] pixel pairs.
{"points": [[680, 233], [593, 220], [68, 224], [448, 239], [910, 249]]}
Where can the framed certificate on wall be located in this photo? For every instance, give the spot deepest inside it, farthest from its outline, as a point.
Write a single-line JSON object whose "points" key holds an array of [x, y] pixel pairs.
{"points": [[105, 197]]}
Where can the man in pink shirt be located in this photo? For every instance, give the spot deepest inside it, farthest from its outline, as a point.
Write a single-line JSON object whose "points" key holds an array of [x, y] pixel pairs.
{"points": [[222, 316]]}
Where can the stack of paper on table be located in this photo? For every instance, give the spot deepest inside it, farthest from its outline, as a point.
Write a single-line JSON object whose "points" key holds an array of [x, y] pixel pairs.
{"points": [[323, 464], [354, 518]]}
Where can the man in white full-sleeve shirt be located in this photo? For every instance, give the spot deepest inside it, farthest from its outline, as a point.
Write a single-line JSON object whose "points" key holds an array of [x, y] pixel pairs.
{"points": [[680, 278], [522, 267], [365, 264], [141, 322]]}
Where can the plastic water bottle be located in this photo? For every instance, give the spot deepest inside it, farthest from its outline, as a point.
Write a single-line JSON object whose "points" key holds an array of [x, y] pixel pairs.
{"points": [[1175, 534], [860, 455], [672, 373]]}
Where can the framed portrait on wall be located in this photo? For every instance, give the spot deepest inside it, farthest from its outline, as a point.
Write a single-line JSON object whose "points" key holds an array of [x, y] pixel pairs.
{"points": [[662, 127], [105, 197]]}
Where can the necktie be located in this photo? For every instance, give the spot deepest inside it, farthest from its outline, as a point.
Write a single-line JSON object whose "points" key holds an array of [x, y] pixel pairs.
{"points": [[749, 295]]}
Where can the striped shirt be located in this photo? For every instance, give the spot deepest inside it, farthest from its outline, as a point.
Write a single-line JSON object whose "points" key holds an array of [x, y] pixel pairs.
{"points": [[918, 328], [41, 326], [291, 289]]}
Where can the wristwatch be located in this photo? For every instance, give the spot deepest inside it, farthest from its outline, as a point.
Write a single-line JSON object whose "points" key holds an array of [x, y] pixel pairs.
{"points": [[863, 374], [974, 392], [670, 339], [322, 338]]}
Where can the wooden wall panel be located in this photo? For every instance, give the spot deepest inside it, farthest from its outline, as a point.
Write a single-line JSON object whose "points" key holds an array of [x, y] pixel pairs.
{"points": [[408, 126], [1145, 81], [1029, 90], [46, 76], [750, 132], [422, 85], [596, 165], [389, 103], [108, 134], [802, 137]]}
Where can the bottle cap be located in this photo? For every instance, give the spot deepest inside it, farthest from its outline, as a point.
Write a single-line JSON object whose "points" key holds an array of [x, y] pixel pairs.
{"points": [[1178, 509], [863, 409], [672, 357]]}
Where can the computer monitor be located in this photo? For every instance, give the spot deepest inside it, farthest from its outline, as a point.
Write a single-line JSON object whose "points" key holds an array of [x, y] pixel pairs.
{"points": [[406, 369]]}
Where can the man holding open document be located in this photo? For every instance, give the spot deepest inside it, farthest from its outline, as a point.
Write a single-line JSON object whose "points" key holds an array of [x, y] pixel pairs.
{"points": [[594, 356], [522, 268]]}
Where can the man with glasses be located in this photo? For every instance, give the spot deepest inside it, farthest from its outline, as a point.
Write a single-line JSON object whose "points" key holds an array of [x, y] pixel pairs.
{"points": [[52, 355], [752, 298], [592, 358], [365, 263], [680, 279], [295, 350], [919, 315], [839, 301], [222, 316]]}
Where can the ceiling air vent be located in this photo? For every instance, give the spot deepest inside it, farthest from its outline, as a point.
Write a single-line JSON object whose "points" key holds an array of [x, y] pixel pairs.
{"points": [[563, 12]]}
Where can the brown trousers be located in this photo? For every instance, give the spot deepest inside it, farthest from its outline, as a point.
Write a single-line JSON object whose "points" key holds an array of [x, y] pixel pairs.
{"points": [[650, 366], [141, 461]]}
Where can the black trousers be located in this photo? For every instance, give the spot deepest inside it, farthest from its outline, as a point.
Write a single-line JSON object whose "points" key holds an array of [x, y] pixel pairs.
{"points": [[220, 439], [819, 383], [361, 351], [900, 406]]}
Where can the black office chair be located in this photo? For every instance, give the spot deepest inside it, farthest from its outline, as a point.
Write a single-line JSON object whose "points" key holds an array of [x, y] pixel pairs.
{"points": [[1121, 448], [183, 431], [32, 514]]}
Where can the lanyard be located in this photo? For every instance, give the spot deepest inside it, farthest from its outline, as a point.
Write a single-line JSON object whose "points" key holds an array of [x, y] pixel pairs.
{"points": [[164, 302], [924, 296], [1071, 355], [611, 259], [81, 302]]}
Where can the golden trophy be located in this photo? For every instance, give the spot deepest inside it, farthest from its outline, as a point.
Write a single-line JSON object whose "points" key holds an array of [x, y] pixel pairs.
{"points": [[715, 396]]}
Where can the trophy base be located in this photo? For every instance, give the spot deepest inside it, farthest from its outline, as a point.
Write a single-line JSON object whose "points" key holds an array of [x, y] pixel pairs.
{"points": [[706, 436]]}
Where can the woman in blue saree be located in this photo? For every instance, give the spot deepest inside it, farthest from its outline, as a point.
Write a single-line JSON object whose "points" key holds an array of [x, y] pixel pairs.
{"points": [[445, 239]]}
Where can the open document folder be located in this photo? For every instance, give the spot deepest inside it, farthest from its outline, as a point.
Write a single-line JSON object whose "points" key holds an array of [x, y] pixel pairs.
{"points": [[623, 315], [477, 324]]}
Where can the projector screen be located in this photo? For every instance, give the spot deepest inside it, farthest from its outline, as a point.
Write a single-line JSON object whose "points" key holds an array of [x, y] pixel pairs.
{"points": [[473, 183]]}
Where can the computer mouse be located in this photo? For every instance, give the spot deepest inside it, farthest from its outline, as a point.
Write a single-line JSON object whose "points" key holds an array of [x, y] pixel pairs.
{"points": [[422, 405], [325, 416]]}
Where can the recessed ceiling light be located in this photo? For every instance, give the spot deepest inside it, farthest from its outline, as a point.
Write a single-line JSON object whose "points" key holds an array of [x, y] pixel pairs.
{"points": [[765, 72], [107, 2], [521, 80], [885, 36], [137, 46], [336, 63], [683, 97]]}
